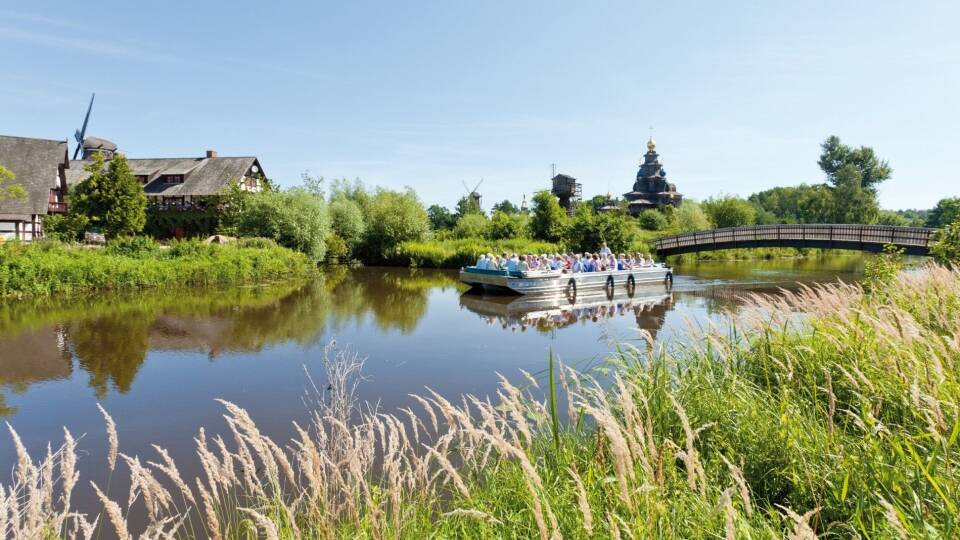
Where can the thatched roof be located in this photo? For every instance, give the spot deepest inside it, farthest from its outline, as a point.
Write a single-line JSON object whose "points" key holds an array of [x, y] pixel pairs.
{"points": [[36, 166], [201, 176]]}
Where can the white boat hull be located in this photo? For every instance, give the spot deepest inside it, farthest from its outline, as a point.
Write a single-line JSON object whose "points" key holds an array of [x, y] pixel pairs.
{"points": [[537, 283]]}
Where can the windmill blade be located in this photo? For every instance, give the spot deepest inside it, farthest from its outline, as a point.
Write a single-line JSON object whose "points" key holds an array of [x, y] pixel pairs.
{"points": [[82, 132], [466, 187], [475, 188]]}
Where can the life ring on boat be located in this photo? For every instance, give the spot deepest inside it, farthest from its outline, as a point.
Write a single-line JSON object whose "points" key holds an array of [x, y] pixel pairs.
{"points": [[571, 289], [668, 279], [609, 285], [631, 283]]}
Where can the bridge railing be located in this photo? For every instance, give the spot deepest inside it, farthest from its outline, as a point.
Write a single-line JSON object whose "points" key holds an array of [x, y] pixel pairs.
{"points": [[917, 237]]}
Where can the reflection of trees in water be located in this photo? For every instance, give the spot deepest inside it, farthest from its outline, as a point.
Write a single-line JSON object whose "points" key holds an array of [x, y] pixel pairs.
{"points": [[396, 299], [111, 349], [111, 334]]}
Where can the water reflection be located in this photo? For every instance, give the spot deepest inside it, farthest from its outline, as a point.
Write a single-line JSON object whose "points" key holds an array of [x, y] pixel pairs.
{"points": [[406, 316], [648, 307], [109, 337]]}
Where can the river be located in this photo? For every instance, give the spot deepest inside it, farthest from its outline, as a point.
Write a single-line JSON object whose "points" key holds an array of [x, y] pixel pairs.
{"points": [[157, 360]]}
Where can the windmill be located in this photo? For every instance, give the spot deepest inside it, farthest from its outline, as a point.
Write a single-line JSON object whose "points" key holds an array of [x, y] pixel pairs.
{"points": [[82, 132], [473, 194]]}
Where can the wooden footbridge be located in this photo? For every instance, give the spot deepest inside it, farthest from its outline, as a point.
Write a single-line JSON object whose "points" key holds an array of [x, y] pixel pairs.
{"points": [[913, 240]]}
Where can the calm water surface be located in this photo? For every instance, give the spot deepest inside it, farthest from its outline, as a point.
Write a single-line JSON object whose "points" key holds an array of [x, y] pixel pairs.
{"points": [[157, 361]]}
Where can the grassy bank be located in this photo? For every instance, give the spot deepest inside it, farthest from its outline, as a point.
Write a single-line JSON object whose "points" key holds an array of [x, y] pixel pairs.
{"points": [[51, 268], [844, 423], [464, 252]]}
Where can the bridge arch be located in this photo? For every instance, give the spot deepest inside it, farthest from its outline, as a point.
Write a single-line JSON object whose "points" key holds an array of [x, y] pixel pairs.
{"points": [[871, 238]]}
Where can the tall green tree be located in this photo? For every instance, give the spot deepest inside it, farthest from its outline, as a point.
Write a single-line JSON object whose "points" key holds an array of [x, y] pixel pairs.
{"points": [[111, 197], [589, 230], [506, 207], [440, 218], [944, 213], [853, 202], [548, 220], [834, 156]]}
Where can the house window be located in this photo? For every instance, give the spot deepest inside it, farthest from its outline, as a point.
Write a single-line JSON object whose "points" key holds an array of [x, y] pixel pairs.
{"points": [[173, 178], [251, 182], [142, 178], [173, 201]]}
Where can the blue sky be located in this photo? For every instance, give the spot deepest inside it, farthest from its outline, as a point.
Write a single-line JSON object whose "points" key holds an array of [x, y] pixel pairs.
{"points": [[432, 94]]}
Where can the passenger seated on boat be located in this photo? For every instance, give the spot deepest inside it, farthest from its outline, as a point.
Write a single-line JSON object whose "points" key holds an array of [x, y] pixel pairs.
{"points": [[590, 263], [512, 263], [503, 261], [622, 263], [650, 261], [556, 263], [577, 265], [523, 265]]}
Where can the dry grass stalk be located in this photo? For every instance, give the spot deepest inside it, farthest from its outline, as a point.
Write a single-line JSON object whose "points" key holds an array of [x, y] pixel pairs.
{"points": [[113, 442], [114, 514], [583, 503]]}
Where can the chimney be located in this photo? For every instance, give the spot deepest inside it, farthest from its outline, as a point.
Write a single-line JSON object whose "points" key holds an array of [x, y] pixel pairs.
{"points": [[211, 153]]}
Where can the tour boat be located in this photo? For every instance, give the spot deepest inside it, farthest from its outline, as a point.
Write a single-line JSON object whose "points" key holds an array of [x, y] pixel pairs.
{"points": [[556, 281]]}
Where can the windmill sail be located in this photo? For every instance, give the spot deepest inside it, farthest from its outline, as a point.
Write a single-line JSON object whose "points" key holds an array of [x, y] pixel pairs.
{"points": [[81, 133]]}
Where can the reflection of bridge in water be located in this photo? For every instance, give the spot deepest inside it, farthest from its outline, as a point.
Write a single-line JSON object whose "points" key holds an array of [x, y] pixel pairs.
{"points": [[519, 313], [873, 238]]}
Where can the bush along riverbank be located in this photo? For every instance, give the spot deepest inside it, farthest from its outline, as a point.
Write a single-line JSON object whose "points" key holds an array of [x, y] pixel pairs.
{"points": [[844, 422], [50, 268]]}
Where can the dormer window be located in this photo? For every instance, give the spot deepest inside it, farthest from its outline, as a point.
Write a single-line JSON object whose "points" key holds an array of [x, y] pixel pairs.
{"points": [[142, 178], [173, 178]]}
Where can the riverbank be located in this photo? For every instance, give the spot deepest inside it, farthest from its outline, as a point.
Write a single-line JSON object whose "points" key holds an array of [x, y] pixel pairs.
{"points": [[50, 268], [844, 420]]}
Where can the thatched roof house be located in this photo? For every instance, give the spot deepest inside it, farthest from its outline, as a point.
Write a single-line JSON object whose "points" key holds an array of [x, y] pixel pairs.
{"points": [[39, 166], [184, 180]]}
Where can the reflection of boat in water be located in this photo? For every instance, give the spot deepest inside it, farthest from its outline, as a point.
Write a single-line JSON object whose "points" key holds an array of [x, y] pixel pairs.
{"points": [[556, 282], [649, 307]]}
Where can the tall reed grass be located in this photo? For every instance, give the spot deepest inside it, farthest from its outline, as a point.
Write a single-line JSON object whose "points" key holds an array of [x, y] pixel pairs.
{"points": [[841, 423]]}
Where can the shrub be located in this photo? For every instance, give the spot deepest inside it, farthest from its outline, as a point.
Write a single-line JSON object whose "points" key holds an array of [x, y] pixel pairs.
{"points": [[294, 219], [471, 226], [393, 217], [65, 227], [504, 225], [690, 217], [653, 220], [346, 219], [133, 246], [945, 247], [337, 249], [729, 211], [256, 242]]}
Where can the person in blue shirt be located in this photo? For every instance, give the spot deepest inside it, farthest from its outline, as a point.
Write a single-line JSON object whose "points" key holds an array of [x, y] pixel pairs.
{"points": [[577, 265], [589, 265], [512, 263]]}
